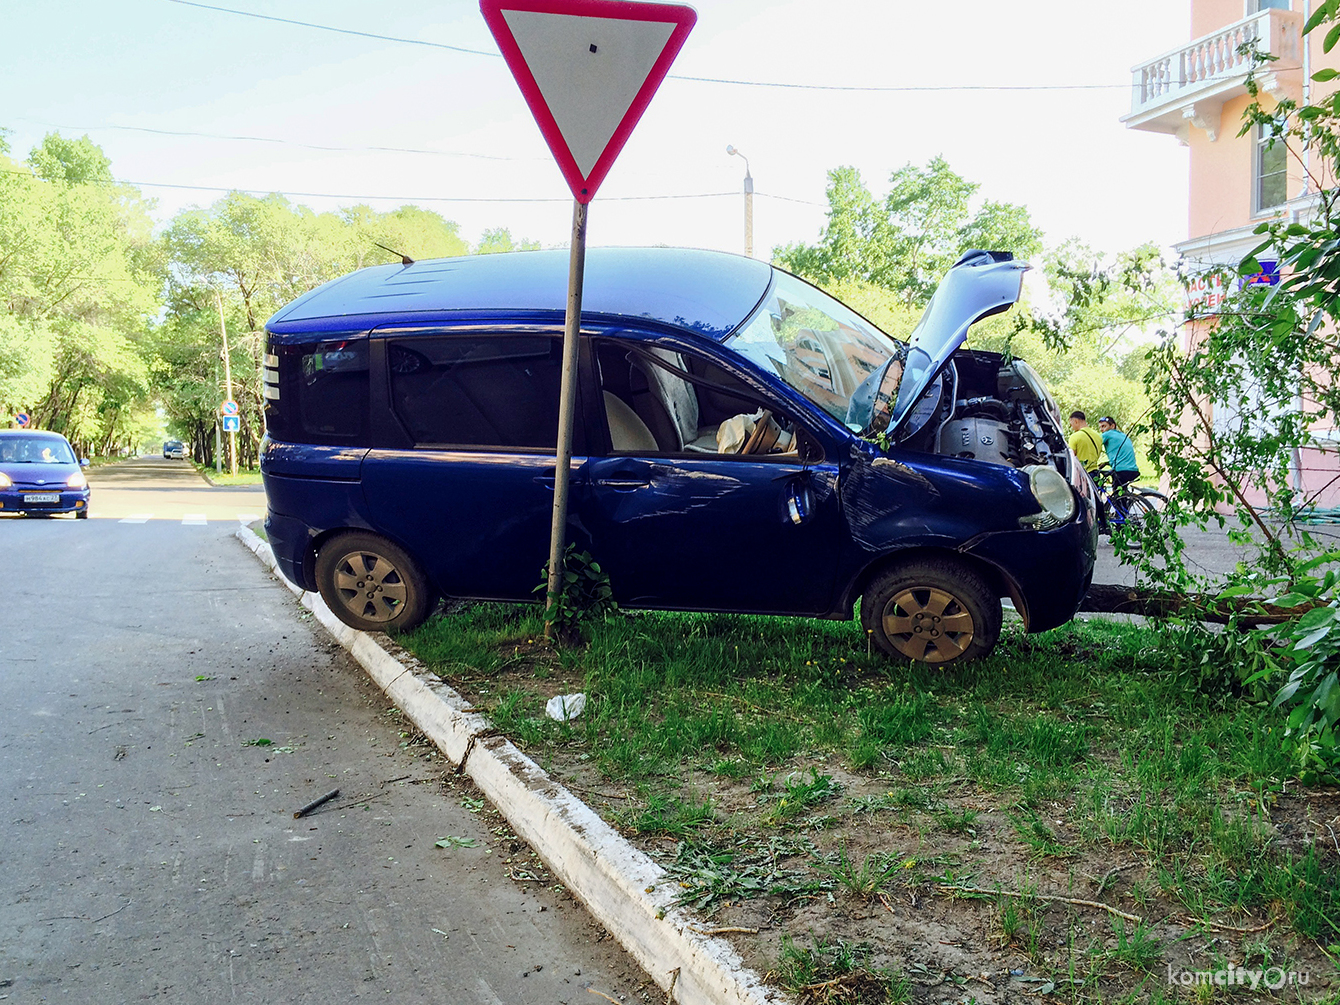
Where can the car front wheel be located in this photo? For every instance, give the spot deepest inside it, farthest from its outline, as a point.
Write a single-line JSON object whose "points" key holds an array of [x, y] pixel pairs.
{"points": [[371, 584], [933, 611]]}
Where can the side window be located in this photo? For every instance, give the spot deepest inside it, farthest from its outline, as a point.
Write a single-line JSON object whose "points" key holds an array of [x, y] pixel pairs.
{"points": [[659, 401], [318, 392], [477, 390]]}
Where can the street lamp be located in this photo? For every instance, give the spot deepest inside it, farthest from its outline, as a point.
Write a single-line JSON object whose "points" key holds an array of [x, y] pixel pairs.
{"points": [[748, 202]]}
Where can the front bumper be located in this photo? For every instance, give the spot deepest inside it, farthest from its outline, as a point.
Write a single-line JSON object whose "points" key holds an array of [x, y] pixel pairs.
{"points": [[17, 500], [1049, 571]]}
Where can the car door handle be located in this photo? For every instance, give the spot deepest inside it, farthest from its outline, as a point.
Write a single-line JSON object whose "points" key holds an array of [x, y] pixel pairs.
{"points": [[548, 480], [623, 484]]}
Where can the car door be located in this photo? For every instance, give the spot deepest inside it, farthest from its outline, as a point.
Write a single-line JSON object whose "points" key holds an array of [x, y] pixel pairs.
{"points": [[462, 473], [679, 524]]}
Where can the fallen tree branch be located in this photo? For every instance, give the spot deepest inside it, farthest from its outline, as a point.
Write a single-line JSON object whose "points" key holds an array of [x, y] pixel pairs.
{"points": [[1050, 898], [1111, 599]]}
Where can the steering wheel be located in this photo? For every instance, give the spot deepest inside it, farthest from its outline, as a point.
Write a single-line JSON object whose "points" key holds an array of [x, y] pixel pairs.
{"points": [[756, 439]]}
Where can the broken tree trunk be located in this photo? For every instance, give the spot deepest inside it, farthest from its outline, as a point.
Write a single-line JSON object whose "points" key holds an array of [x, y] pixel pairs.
{"points": [[1104, 599]]}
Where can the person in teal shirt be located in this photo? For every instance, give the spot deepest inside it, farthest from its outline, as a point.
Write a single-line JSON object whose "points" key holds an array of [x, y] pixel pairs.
{"points": [[1120, 453]]}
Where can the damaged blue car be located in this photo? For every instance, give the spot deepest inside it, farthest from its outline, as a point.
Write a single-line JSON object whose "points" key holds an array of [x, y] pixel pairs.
{"points": [[743, 442]]}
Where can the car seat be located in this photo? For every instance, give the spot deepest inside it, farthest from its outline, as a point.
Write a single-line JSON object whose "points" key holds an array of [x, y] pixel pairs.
{"points": [[672, 404], [628, 433]]}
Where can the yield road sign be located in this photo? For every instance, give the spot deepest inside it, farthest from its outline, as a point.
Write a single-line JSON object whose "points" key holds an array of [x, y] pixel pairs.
{"points": [[587, 69], [229, 407], [232, 423], [22, 419]]}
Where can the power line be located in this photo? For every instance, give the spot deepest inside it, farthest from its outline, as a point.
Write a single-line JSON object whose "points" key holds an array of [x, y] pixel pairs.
{"points": [[785, 85], [396, 198], [278, 140], [341, 31]]}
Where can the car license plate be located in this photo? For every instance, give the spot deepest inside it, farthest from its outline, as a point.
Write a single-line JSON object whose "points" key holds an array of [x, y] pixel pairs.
{"points": [[42, 497]]}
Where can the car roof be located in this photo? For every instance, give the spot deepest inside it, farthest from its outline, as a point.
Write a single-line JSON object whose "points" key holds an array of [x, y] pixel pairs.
{"points": [[708, 292], [33, 432]]}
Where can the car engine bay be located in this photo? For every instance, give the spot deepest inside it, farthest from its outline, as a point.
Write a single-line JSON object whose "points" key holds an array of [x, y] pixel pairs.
{"points": [[985, 407]]}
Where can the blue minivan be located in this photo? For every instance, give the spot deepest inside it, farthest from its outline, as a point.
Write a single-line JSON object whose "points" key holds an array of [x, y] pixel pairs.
{"points": [[743, 442]]}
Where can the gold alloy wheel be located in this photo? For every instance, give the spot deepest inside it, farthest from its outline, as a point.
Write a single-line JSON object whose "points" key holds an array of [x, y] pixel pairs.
{"points": [[369, 586], [925, 623]]}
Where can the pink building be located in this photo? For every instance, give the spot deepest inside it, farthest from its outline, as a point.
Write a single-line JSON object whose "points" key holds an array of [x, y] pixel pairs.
{"points": [[1197, 93]]}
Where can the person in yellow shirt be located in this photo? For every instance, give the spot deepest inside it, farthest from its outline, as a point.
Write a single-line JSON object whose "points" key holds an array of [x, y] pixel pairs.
{"points": [[1087, 445]]}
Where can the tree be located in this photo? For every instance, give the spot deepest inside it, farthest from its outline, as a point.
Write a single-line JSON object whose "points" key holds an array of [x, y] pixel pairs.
{"points": [[908, 241], [499, 239], [256, 255], [1258, 382], [78, 289]]}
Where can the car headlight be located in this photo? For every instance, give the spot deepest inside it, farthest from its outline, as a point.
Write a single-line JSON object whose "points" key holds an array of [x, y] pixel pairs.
{"points": [[1053, 494], [77, 481], [5, 481]]}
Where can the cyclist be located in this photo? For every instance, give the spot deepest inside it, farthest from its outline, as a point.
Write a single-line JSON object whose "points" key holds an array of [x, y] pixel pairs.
{"points": [[1120, 454], [1087, 445]]}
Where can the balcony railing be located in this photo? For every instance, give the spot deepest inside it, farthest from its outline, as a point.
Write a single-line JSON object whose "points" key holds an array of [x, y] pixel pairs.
{"points": [[1187, 82]]}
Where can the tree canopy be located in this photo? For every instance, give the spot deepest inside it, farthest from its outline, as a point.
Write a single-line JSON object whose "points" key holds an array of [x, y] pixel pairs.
{"points": [[905, 242], [1083, 326], [108, 330]]}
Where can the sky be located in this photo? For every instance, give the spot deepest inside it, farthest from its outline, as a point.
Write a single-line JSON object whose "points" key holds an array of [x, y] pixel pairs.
{"points": [[1024, 100]]}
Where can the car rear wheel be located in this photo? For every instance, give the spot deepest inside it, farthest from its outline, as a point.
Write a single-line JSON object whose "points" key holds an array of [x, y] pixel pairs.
{"points": [[371, 584], [933, 611]]}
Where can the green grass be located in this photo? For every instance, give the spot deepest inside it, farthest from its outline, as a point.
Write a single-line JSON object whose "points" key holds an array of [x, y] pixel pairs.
{"points": [[1087, 735], [244, 476], [837, 971]]}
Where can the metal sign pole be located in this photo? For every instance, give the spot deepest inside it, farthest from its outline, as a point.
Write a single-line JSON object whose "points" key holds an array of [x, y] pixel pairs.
{"points": [[567, 399], [228, 382]]}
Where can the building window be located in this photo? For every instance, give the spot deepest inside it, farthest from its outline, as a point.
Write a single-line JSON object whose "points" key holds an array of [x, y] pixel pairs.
{"points": [[1256, 6], [1271, 176]]}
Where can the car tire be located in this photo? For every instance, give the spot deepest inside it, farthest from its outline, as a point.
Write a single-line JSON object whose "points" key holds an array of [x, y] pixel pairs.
{"points": [[371, 584], [81, 514], [934, 611]]}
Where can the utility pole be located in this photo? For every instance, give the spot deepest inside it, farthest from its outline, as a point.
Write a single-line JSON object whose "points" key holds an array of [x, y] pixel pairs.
{"points": [[227, 382], [748, 202]]}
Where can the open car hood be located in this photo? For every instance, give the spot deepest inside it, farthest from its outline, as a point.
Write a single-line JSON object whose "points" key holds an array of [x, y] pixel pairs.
{"points": [[980, 284]]}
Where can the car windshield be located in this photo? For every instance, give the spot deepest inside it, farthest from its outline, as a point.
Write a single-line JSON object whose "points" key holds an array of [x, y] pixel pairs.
{"points": [[34, 450], [824, 350]]}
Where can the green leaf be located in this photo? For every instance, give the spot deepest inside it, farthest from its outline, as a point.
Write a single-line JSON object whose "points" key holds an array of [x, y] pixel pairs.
{"points": [[455, 842], [1291, 600], [1316, 617], [1318, 16], [1312, 637], [1321, 76], [1332, 37]]}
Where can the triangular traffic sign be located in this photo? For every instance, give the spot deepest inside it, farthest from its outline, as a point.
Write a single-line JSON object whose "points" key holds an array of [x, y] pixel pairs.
{"points": [[587, 69]]}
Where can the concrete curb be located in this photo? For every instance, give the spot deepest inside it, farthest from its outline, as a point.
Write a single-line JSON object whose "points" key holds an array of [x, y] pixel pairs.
{"points": [[624, 889]]}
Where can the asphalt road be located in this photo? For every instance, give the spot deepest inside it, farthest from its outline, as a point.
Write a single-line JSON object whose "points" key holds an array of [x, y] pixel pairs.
{"points": [[1208, 553], [164, 709]]}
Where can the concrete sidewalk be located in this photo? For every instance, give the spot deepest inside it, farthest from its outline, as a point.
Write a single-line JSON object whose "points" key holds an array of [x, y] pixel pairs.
{"points": [[622, 888]]}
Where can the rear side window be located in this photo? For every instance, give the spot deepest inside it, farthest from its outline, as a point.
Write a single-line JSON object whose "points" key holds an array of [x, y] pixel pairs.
{"points": [[318, 392], [477, 390]]}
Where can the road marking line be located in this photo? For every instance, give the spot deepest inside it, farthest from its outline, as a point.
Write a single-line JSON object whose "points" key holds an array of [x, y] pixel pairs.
{"points": [[194, 520], [138, 518]]}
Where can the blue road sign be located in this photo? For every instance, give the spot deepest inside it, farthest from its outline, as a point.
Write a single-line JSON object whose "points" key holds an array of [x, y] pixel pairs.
{"points": [[22, 419], [231, 423]]}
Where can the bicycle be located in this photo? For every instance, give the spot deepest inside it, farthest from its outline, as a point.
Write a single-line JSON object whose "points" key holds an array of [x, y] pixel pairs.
{"points": [[1125, 509]]}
